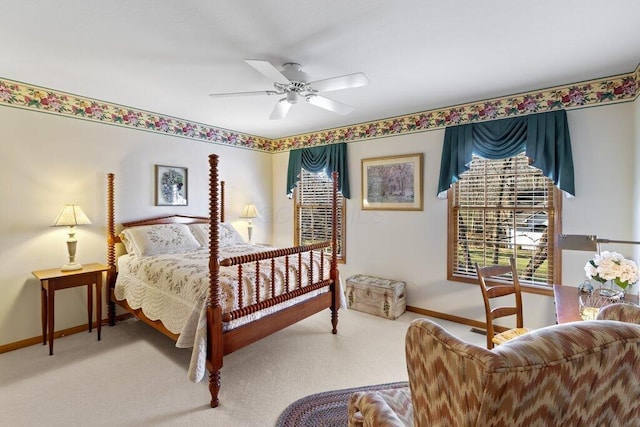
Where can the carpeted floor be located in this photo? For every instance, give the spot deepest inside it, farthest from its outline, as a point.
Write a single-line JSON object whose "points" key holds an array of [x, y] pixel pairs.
{"points": [[136, 377], [328, 409]]}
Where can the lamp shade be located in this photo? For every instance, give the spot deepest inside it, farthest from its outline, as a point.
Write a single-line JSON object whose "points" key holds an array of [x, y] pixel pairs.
{"points": [[249, 211], [71, 215]]}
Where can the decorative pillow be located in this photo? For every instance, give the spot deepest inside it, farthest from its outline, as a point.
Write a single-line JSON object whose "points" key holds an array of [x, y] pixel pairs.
{"points": [[127, 244], [228, 234], [201, 233], [159, 239]]}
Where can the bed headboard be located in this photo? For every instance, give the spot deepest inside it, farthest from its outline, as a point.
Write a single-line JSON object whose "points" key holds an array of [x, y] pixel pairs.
{"points": [[169, 219], [113, 238]]}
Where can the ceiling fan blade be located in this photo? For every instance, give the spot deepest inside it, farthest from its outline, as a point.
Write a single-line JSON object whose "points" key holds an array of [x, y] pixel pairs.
{"points": [[281, 109], [329, 104], [267, 70], [341, 82], [258, 92]]}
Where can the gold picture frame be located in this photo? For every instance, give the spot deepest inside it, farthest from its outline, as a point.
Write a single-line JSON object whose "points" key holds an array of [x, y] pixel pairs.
{"points": [[393, 183]]}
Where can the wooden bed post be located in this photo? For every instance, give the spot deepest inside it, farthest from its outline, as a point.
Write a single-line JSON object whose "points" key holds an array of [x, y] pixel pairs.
{"points": [[215, 344], [111, 249], [221, 201], [334, 274], [221, 342]]}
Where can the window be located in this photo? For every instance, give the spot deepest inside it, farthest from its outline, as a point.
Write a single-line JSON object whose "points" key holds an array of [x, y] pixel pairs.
{"points": [[504, 208], [312, 211]]}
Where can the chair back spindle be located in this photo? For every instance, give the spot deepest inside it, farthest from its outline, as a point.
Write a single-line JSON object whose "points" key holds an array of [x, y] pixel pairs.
{"points": [[494, 286]]}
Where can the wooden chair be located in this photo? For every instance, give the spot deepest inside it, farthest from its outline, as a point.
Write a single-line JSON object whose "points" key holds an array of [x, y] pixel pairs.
{"points": [[494, 311]]}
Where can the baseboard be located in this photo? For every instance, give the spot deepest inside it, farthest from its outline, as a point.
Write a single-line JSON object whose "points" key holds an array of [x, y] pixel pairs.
{"points": [[38, 340]]}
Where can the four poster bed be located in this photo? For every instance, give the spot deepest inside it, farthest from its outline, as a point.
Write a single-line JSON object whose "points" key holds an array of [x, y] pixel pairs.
{"points": [[196, 282]]}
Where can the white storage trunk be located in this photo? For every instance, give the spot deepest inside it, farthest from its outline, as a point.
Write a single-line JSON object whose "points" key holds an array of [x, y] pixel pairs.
{"points": [[374, 295]]}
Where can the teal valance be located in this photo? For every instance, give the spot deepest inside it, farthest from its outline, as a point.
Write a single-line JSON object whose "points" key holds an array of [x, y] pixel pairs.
{"points": [[543, 137], [327, 158]]}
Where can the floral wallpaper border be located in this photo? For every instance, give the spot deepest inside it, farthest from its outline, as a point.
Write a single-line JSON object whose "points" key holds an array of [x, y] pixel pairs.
{"points": [[25, 96], [620, 88]]}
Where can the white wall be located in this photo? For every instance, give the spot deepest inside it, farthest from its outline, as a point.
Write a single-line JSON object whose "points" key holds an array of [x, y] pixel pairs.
{"points": [[411, 246], [603, 150], [47, 161]]}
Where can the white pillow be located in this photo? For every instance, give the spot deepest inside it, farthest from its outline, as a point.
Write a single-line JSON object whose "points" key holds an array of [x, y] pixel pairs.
{"points": [[228, 234], [159, 239], [201, 232], [127, 244]]}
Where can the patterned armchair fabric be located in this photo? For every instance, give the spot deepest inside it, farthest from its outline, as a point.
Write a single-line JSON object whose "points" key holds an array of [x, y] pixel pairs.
{"points": [[388, 408], [621, 312], [575, 374]]}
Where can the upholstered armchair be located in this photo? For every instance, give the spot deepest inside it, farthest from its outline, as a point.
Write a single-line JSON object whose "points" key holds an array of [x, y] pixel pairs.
{"points": [[620, 311], [574, 374]]}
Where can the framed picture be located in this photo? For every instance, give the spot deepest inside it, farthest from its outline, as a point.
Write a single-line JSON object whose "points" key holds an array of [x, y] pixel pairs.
{"points": [[392, 183], [171, 186]]}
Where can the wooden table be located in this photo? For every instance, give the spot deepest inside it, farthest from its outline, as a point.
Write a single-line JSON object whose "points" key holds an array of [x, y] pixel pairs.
{"points": [[567, 306], [54, 279]]}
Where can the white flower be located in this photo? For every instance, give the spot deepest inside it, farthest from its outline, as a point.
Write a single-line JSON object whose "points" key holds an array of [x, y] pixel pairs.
{"points": [[612, 266]]}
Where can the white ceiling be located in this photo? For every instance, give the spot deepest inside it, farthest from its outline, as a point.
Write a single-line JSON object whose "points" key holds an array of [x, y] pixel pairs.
{"points": [[167, 56]]}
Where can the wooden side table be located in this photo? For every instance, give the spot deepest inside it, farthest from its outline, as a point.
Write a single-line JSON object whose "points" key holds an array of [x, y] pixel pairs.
{"points": [[54, 279]]}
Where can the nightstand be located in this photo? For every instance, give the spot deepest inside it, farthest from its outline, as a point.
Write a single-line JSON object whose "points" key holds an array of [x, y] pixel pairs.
{"points": [[54, 279]]}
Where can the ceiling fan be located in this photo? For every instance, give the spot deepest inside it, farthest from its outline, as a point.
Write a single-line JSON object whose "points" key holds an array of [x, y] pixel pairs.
{"points": [[294, 84]]}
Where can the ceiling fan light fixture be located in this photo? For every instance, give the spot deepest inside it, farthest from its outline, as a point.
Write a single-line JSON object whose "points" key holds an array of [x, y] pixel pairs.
{"points": [[292, 97], [294, 84], [281, 109]]}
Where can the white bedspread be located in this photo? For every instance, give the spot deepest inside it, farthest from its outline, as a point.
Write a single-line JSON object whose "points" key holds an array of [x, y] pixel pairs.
{"points": [[173, 288]]}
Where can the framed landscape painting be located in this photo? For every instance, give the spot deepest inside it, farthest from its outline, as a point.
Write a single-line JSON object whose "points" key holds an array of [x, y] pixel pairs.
{"points": [[171, 186], [392, 183]]}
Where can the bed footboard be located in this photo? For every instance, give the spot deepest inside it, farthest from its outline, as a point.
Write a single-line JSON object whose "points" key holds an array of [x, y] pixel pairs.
{"points": [[220, 343], [293, 257]]}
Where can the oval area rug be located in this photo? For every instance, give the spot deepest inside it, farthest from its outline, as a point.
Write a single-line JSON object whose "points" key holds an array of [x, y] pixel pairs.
{"points": [[327, 409]]}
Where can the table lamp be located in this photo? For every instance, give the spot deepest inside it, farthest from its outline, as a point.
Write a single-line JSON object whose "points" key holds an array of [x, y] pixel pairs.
{"points": [[249, 212], [591, 243], [71, 215]]}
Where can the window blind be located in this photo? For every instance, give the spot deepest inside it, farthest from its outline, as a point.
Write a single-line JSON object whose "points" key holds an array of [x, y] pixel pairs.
{"points": [[313, 210], [504, 208]]}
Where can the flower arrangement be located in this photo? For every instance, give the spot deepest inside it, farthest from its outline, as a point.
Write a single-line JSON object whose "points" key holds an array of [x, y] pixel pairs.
{"points": [[612, 266]]}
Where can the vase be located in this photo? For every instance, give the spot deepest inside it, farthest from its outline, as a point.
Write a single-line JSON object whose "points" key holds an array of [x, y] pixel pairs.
{"points": [[591, 303], [612, 291]]}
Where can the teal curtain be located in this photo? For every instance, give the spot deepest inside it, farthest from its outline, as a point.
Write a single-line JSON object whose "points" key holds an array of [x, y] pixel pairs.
{"points": [[328, 158], [543, 137]]}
